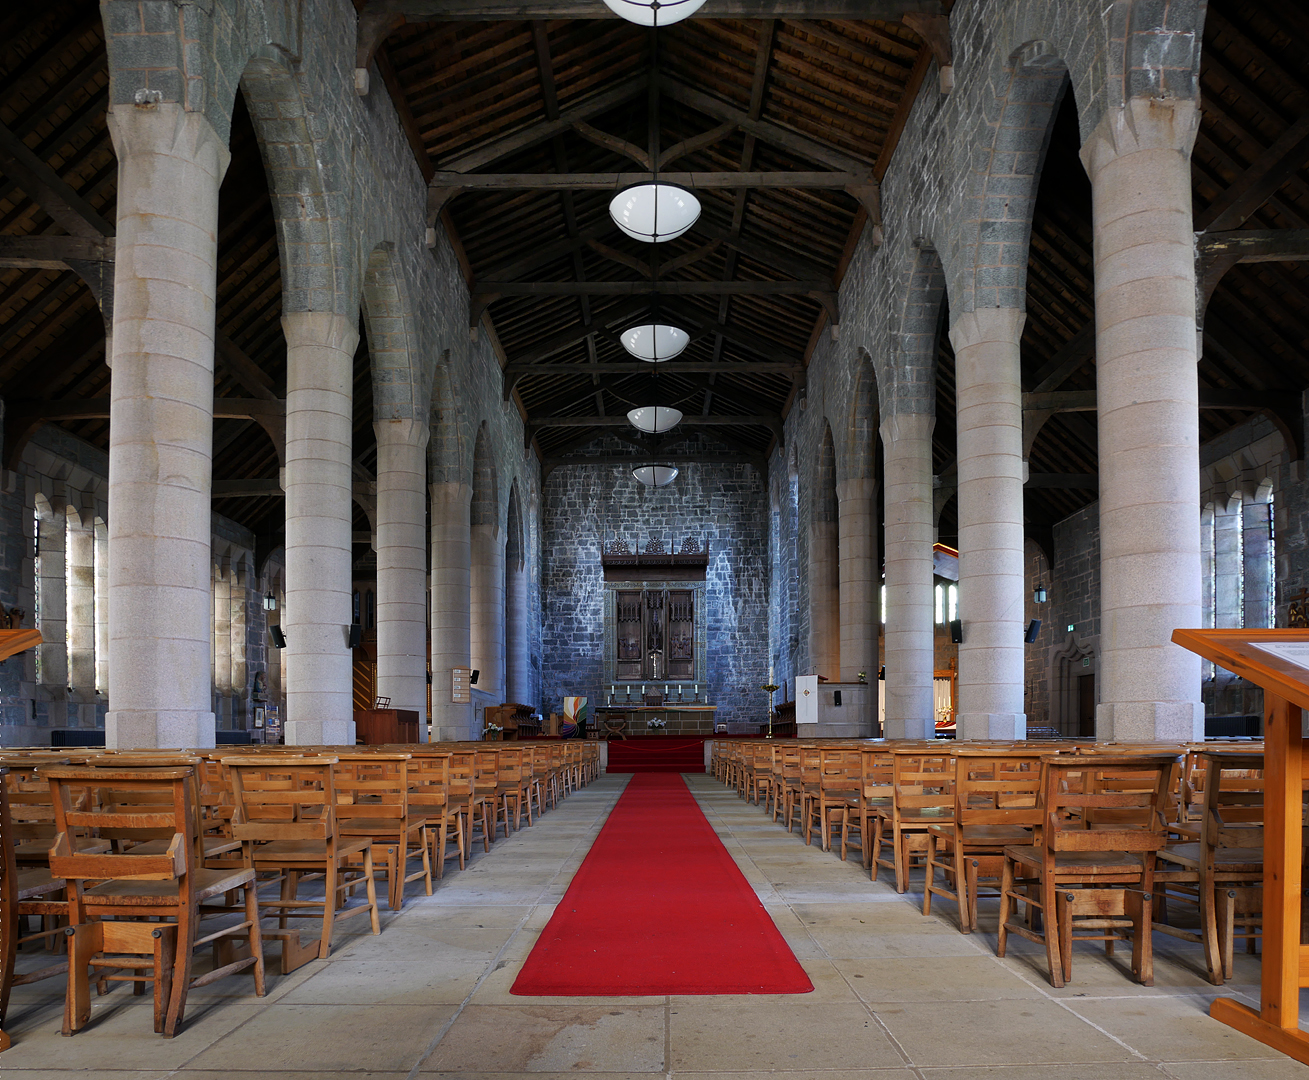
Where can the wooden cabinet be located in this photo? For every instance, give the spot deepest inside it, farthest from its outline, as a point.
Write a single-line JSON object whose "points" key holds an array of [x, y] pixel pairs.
{"points": [[378, 727]]}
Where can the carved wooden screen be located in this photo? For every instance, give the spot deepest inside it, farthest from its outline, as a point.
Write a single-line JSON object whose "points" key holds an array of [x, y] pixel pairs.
{"points": [[654, 637]]}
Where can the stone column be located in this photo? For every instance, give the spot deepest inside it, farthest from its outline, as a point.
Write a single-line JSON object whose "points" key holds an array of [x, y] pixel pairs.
{"points": [[825, 597], [81, 607], [170, 164], [860, 577], [1257, 573], [53, 624], [402, 563], [488, 608], [1138, 159], [320, 350], [518, 662], [910, 629], [451, 622], [1227, 565], [223, 643], [991, 583], [101, 606]]}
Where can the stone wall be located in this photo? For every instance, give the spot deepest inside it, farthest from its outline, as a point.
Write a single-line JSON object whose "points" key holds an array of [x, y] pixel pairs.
{"points": [[724, 505]]}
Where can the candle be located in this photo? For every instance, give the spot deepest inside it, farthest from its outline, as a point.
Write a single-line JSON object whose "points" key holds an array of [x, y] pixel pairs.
{"points": [[770, 674], [679, 690], [643, 689]]}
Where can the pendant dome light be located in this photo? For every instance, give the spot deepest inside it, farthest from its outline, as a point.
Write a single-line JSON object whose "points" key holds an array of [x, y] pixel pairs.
{"points": [[654, 212], [655, 419], [654, 12], [655, 342], [655, 475]]}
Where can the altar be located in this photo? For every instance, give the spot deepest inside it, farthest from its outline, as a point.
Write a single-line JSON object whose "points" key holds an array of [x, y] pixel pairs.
{"points": [[680, 718]]}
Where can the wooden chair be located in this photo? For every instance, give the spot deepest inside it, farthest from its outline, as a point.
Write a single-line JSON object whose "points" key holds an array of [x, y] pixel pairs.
{"points": [[995, 796], [758, 772], [513, 785], [109, 891], [1102, 824], [285, 818], [922, 795], [431, 794], [1222, 872], [372, 800], [469, 802], [840, 791], [788, 784], [486, 786], [877, 791]]}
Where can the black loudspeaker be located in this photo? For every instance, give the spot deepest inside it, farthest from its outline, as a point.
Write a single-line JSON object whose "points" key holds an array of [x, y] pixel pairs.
{"points": [[472, 679], [356, 635], [836, 697], [1033, 628], [957, 631], [277, 637]]}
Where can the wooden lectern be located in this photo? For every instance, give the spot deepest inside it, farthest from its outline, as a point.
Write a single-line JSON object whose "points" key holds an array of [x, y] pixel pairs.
{"points": [[1278, 661]]}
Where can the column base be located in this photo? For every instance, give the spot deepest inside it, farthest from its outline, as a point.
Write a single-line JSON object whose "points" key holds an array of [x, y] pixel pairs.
{"points": [[1150, 721], [320, 733], [913, 728], [141, 729], [987, 725]]}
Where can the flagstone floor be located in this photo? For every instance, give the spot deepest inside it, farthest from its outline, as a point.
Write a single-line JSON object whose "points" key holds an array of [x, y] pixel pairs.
{"points": [[896, 995]]}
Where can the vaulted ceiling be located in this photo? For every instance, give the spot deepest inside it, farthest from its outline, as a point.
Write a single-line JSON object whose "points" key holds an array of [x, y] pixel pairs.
{"points": [[523, 125]]}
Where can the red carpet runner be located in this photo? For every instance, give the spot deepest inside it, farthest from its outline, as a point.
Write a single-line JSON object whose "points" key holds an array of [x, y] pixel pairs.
{"points": [[656, 753], [659, 907]]}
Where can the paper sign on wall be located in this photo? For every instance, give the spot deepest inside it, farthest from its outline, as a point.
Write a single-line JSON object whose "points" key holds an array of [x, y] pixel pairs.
{"points": [[806, 699], [459, 688]]}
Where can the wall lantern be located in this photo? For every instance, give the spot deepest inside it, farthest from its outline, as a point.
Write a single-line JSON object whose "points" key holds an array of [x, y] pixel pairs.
{"points": [[1039, 595], [270, 602]]}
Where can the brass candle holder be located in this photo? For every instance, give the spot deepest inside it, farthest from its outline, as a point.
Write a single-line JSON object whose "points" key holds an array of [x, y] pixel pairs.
{"points": [[772, 688]]}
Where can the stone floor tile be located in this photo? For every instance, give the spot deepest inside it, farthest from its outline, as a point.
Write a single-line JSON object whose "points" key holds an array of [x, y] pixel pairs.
{"points": [[746, 1038], [1278, 1068], [1025, 1032], [427, 941], [849, 945], [1176, 1028], [552, 1038], [343, 1038], [1116, 1071], [121, 1031], [426, 981], [829, 988], [802, 1074], [945, 978]]}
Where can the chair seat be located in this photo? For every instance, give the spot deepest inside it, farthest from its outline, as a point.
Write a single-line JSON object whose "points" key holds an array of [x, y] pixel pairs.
{"points": [[378, 826], [36, 881], [990, 835], [127, 893], [1227, 860], [307, 851], [1068, 863], [214, 846]]}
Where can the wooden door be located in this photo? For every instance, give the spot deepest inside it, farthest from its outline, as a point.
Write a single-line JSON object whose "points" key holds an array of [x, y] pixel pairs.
{"points": [[1086, 706]]}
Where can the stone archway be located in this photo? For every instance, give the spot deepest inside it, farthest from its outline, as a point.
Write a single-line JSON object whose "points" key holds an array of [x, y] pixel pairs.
{"points": [[1072, 664]]}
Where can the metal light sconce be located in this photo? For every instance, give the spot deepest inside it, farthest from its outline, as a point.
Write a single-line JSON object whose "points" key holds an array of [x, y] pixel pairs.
{"points": [[1039, 595], [270, 602]]}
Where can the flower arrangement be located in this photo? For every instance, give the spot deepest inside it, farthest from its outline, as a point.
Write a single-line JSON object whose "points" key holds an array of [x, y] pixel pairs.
{"points": [[491, 732], [656, 722]]}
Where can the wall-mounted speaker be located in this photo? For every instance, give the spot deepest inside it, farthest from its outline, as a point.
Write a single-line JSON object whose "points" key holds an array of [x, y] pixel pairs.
{"points": [[356, 635], [957, 631], [472, 679], [836, 697], [1033, 628], [277, 637]]}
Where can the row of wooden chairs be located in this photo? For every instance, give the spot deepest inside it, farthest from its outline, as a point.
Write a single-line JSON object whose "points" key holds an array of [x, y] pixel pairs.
{"points": [[1085, 841], [126, 853]]}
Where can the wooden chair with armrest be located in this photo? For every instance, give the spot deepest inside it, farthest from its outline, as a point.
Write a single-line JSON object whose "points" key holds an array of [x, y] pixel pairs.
{"points": [[109, 892], [1092, 869], [285, 818]]}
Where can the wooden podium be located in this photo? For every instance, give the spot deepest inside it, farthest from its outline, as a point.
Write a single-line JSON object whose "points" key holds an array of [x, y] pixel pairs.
{"points": [[1284, 676], [382, 727]]}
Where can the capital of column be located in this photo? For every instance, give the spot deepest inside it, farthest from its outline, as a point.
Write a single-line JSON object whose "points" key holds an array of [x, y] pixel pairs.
{"points": [[324, 329], [166, 130], [403, 434], [986, 326], [1141, 124], [453, 495]]}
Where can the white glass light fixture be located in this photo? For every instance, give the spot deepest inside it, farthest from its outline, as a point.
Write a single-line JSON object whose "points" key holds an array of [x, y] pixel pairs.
{"points": [[655, 342], [654, 212], [652, 12], [655, 475], [654, 419]]}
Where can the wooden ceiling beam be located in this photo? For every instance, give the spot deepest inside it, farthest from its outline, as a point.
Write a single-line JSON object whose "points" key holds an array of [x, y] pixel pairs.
{"points": [[1257, 184], [48, 190], [517, 10], [485, 289], [615, 182], [54, 252]]}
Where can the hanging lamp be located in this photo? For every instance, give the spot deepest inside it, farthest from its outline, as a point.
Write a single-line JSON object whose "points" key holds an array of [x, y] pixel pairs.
{"points": [[654, 12], [655, 419], [655, 342], [655, 475], [654, 212]]}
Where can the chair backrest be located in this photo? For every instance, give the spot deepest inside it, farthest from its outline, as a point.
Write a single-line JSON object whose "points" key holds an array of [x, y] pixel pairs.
{"points": [[1106, 802], [429, 781], [995, 786], [922, 781], [463, 769], [1233, 801], [486, 773], [840, 773], [372, 785], [509, 765], [878, 768], [283, 797], [152, 802]]}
